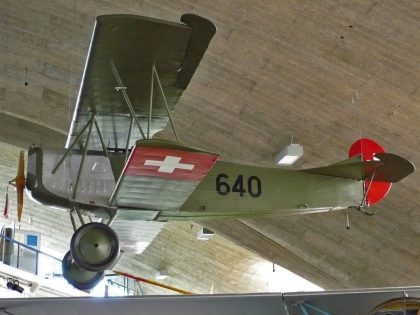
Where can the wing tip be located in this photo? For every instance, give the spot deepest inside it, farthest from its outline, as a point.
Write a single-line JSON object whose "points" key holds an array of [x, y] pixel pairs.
{"points": [[203, 31]]}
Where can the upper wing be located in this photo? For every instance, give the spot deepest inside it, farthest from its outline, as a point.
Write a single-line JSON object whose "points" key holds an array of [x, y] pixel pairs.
{"points": [[123, 51]]}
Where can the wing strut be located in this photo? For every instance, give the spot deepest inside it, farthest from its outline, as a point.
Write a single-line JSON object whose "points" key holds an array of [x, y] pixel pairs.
{"points": [[122, 88], [149, 124], [89, 124], [93, 119], [166, 103], [101, 138], [130, 129]]}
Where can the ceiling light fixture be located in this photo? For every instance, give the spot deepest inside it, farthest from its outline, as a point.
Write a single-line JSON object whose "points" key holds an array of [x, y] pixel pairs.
{"points": [[161, 275], [204, 234], [289, 154]]}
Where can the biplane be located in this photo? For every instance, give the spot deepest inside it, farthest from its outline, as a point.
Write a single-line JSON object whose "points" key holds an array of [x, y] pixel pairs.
{"points": [[114, 173]]}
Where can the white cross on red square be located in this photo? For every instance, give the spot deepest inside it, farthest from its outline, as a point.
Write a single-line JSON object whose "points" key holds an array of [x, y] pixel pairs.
{"points": [[166, 163], [169, 164]]}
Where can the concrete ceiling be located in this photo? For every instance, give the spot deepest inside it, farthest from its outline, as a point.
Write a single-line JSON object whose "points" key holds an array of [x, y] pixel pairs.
{"points": [[324, 72]]}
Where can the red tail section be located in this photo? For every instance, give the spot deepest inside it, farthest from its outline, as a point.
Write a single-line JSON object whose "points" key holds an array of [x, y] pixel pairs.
{"points": [[367, 149]]}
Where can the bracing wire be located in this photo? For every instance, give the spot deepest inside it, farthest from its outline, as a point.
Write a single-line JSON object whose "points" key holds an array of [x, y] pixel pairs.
{"points": [[355, 102]]}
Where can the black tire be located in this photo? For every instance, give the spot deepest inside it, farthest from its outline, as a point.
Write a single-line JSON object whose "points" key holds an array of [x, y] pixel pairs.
{"points": [[95, 247], [78, 277]]}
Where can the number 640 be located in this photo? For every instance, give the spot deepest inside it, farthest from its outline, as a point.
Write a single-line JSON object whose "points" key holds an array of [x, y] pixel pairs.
{"points": [[253, 185]]}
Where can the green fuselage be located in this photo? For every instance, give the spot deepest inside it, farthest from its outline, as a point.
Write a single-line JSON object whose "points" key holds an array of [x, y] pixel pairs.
{"points": [[235, 191], [228, 190]]}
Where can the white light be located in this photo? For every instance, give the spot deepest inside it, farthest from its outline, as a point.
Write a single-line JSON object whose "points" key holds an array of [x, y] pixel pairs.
{"points": [[281, 280], [288, 160], [161, 275], [289, 154], [204, 234]]}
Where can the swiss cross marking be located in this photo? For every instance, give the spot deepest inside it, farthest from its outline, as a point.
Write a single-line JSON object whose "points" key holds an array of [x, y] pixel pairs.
{"points": [[169, 164]]}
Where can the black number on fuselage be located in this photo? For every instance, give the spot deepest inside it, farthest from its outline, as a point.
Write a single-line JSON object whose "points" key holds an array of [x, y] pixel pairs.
{"points": [[251, 188], [221, 186], [253, 185], [239, 186]]}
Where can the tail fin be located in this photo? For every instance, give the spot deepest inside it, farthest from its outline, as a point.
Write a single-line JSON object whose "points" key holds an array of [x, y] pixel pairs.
{"points": [[367, 149], [369, 163]]}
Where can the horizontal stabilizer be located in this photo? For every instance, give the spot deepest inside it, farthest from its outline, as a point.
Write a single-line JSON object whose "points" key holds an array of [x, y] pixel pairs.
{"points": [[388, 167], [395, 168]]}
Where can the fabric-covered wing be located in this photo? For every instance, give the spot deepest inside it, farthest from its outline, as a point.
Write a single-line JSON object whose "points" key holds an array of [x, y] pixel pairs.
{"points": [[161, 177], [135, 235], [134, 44]]}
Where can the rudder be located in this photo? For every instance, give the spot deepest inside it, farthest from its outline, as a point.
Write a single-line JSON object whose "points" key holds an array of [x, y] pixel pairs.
{"points": [[376, 190]]}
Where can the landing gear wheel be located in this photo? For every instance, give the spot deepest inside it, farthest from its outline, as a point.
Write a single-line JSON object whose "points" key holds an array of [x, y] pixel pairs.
{"points": [[78, 277], [95, 247]]}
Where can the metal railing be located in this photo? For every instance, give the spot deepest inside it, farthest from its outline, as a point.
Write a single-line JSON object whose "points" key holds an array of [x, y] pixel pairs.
{"points": [[17, 254], [22, 256]]}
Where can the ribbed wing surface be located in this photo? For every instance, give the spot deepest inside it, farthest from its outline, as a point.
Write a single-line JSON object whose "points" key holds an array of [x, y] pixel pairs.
{"points": [[161, 178], [135, 44], [135, 235]]}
